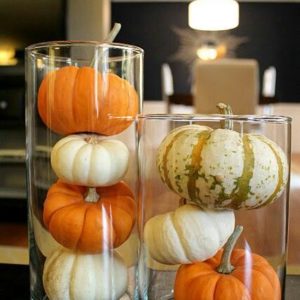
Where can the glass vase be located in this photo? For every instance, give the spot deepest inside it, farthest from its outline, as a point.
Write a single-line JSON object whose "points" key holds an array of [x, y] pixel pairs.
{"points": [[81, 106], [213, 206]]}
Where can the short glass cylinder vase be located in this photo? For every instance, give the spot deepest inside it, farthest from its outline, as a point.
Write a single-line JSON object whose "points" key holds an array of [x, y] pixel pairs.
{"points": [[213, 206], [81, 105]]}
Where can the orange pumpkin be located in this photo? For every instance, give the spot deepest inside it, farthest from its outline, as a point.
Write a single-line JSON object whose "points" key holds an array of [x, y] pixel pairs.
{"points": [[89, 219], [73, 99], [250, 277]]}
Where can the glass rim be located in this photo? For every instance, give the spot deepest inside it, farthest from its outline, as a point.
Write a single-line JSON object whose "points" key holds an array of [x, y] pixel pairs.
{"points": [[35, 48], [217, 117]]}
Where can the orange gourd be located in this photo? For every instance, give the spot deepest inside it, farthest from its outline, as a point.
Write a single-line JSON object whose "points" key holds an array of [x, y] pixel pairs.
{"points": [[89, 219], [73, 99], [250, 277]]}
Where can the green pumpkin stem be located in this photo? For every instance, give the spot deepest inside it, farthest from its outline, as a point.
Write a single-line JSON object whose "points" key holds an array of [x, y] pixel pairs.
{"points": [[225, 266], [91, 195], [226, 110]]}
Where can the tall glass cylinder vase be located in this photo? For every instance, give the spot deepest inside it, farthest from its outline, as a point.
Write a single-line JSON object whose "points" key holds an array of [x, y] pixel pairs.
{"points": [[82, 102], [213, 206]]}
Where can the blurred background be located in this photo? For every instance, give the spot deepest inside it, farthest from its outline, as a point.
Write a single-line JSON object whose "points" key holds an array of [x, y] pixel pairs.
{"points": [[264, 45]]}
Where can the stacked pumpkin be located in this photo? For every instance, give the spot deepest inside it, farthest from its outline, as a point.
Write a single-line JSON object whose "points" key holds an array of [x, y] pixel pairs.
{"points": [[216, 172], [89, 211]]}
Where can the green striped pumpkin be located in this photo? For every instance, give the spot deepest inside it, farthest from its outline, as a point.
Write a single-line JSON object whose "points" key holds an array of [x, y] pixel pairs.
{"points": [[221, 168]]}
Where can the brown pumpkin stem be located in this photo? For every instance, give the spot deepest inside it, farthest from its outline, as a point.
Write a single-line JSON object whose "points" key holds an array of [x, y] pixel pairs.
{"points": [[182, 201], [92, 140], [226, 110], [91, 195], [225, 266]]}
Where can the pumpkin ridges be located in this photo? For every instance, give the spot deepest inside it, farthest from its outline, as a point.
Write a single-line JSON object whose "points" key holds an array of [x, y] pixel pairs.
{"points": [[240, 193], [85, 99], [80, 276], [51, 260], [165, 159], [67, 101], [280, 180], [258, 282], [178, 231], [254, 278], [255, 262], [196, 163], [183, 238], [89, 160], [119, 225], [109, 110], [236, 171], [63, 89], [163, 164], [118, 117], [49, 85], [119, 201], [76, 224], [269, 274], [65, 188], [80, 169], [110, 191], [51, 205], [72, 109], [115, 206], [204, 289], [236, 291], [61, 221], [93, 222]]}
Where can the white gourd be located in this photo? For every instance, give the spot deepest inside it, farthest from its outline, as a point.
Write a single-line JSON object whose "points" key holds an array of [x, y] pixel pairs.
{"points": [[76, 276], [188, 234], [221, 168], [89, 160]]}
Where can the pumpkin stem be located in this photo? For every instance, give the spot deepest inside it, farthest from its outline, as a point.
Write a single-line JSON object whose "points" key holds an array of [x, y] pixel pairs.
{"points": [[110, 38], [226, 110], [225, 266], [92, 140], [113, 33], [91, 195], [182, 201]]}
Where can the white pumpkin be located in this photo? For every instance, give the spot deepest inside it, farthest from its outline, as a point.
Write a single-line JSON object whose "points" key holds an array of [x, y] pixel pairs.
{"points": [[44, 240], [76, 276], [221, 168], [188, 234], [89, 160]]}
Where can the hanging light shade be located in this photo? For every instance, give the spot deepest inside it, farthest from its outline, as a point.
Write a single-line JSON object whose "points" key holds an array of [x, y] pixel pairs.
{"points": [[213, 14]]}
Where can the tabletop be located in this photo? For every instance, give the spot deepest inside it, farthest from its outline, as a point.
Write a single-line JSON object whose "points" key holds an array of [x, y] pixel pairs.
{"points": [[14, 283]]}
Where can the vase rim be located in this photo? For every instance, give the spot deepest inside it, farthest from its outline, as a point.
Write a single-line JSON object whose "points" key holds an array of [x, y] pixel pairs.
{"points": [[81, 43], [217, 117]]}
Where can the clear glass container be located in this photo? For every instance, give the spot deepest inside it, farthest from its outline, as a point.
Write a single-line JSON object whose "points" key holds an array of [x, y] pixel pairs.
{"points": [[81, 107], [209, 185]]}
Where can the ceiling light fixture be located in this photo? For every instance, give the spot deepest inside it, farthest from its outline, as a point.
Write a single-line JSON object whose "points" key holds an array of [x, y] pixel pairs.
{"points": [[213, 15]]}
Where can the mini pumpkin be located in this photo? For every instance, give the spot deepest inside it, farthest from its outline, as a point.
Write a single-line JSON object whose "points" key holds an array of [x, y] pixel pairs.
{"points": [[73, 99], [222, 168], [89, 219], [128, 251], [70, 275], [248, 276], [187, 234], [89, 160]]}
